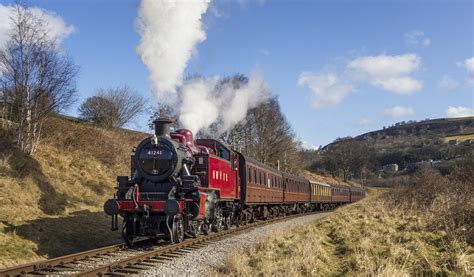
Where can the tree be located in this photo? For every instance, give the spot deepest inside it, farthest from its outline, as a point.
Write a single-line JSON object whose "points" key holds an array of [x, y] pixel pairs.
{"points": [[266, 135], [37, 78], [347, 157], [163, 110], [113, 107]]}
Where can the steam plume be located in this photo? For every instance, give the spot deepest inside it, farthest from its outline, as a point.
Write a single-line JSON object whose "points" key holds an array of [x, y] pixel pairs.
{"points": [[206, 101], [170, 31]]}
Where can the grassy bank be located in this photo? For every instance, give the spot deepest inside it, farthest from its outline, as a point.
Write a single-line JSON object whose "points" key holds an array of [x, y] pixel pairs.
{"points": [[418, 228], [52, 203]]}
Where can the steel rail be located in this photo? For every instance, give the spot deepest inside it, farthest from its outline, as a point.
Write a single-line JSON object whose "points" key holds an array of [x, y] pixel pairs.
{"points": [[22, 270]]}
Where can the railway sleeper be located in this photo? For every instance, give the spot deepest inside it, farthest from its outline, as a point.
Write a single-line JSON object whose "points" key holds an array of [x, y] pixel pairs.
{"points": [[128, 270], [156, 260], [146, 263], [139, 267]]}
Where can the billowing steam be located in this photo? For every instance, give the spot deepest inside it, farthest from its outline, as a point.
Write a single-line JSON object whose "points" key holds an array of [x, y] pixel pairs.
{"points": [[170, 31], [206, 101]]}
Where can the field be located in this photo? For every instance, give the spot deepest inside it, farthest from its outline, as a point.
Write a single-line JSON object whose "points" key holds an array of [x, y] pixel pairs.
{"points": [[460, 138], [391, 233]]}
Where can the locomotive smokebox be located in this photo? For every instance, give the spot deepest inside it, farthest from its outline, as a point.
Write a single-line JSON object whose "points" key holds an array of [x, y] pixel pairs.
{"points": [[162, 127]]}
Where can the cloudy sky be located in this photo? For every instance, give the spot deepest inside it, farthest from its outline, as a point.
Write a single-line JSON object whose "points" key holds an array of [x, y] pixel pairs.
{"points": [[338, 67]]}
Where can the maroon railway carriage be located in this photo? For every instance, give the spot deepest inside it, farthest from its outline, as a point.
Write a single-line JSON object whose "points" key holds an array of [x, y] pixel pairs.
{"points": [[356, 194], [262, 184], [296, 189], [340, 195]]}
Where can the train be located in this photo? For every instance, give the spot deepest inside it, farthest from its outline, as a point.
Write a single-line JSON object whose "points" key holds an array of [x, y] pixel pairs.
{"points": [[180, 187]]}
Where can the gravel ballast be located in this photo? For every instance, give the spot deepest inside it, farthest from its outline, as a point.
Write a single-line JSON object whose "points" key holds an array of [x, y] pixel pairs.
{"points": [[202, 261]]}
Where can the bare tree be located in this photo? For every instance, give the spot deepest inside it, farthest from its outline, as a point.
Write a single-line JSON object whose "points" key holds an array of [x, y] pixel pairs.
{"points": [[348, 157], [36, 76], [266, 135], [113, 107], [163, 110]]}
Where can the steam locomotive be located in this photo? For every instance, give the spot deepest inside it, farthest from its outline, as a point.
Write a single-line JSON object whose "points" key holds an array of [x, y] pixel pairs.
{"points": [[180, 187]]}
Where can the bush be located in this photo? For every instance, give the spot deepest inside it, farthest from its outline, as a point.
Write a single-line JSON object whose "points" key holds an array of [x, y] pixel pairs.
{"points": [[446, 202]]}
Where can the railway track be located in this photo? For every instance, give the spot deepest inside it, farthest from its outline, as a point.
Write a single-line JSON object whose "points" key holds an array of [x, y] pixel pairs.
{"points": [[117, 260]]}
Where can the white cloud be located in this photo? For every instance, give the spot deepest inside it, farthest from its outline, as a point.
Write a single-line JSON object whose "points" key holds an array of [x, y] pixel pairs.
{"points": [[448, 83], [417, 38], [398, 111], [55, 26], [459, 111], [391, 73], [469, 66], [327, 89]]}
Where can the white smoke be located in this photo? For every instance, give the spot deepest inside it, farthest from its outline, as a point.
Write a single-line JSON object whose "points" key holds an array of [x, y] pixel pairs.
{"points": [[206, 101], [170, 31]]}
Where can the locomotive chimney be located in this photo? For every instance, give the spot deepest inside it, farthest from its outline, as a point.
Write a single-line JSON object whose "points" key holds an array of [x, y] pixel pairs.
{"points": [[162, 127]]}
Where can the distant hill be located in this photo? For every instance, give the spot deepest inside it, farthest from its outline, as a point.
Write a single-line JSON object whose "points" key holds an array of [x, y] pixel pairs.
{"points": [[442, 128], [409, 142]]}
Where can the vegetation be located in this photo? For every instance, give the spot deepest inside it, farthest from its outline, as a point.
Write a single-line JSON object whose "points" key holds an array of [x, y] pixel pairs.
{"points": [[424, 226], [405, 144], [36, 78], [113, 107], [52, 203]]}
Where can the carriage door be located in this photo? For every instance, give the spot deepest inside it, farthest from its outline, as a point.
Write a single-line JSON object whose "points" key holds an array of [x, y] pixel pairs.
{"points": [[234, 163]]}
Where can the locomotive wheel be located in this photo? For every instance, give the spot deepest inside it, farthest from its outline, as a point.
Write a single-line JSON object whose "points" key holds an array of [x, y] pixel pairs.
{"points": [[205, 229], [227, 222], [218, 224], [127, 234], [194, 229], [178, 229]]}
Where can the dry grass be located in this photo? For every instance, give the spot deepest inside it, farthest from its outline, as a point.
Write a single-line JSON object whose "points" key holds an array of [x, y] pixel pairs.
{"points": [[328, 179], [386, 234], [52, 203]]}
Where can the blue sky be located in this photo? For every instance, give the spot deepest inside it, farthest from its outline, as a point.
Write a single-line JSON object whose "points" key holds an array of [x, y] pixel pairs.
{"points": [[339, 68]]}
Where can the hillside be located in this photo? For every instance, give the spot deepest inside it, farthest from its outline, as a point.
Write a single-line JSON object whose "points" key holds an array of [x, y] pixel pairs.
{"points": [[52, 204], [407, 143]]}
